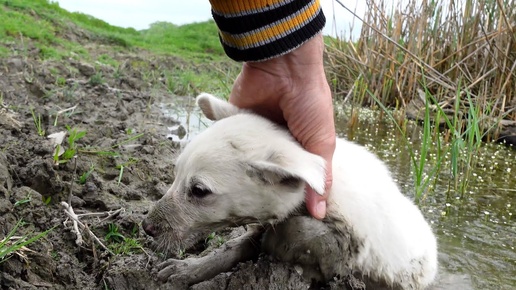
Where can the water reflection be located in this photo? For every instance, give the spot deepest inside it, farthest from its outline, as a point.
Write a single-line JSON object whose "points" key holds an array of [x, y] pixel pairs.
{"points": [[476, 230], [187, 118]]}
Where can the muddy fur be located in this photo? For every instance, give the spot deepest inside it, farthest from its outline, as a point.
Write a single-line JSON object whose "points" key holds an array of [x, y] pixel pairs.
{"points": [[245, 169]]}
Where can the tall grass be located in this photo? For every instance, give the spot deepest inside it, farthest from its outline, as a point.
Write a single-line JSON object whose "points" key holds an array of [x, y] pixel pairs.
{"points": [[53, 28], [444, 41], [449, 64]]}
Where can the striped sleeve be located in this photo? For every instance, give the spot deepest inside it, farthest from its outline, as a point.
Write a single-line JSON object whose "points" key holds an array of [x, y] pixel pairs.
{"points": [[263, 29]]}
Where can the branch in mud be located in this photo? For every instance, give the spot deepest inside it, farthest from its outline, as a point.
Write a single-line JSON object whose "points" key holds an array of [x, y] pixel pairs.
{"points": [[75, 218], [76, 223]]}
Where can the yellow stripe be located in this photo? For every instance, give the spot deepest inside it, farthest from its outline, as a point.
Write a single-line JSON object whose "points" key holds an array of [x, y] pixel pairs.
{"points": [[242, 7], [260, 37]]}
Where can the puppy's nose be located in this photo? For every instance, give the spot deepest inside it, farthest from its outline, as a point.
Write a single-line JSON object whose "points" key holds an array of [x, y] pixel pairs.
{"points": [[149, 228]]}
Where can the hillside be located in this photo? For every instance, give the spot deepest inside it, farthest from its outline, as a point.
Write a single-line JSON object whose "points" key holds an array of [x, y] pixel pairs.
{"points": [[185, 59], [107, 89], [57, 32]]}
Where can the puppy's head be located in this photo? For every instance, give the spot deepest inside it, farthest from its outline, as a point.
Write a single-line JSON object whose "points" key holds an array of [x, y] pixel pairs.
{"points": [[243, 169]]}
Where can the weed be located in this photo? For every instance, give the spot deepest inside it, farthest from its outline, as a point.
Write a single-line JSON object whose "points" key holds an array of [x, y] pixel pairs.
{"points": [[113, 234], [120, 174], [27, 199], [46, 200], [55, 255], [122, 166], [85, 175], [73, 137], [181, 253], [96, 79], [132, 138], [215, 239], [126, 247], [60, 81], [37, 122], [12, 244], [119, 244]]}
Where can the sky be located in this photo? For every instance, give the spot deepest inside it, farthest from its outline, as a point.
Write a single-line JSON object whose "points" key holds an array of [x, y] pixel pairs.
{"points": [[139, 14]]}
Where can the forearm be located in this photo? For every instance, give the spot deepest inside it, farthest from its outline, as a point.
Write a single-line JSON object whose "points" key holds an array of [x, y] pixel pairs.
{"points": [[263, 29]]}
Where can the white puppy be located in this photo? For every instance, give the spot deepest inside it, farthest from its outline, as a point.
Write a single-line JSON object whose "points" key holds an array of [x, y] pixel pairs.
{"points": [[245, 169]]}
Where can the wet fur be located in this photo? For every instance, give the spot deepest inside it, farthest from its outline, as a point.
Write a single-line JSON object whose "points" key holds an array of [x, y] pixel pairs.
{"points": [[255, 172]]}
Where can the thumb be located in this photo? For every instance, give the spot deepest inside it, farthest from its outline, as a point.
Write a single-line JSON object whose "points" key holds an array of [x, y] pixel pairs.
{"points": [[315, 203]]}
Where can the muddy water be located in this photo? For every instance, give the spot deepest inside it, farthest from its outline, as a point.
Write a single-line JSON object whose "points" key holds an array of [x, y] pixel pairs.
{"points": [[476, 229]]}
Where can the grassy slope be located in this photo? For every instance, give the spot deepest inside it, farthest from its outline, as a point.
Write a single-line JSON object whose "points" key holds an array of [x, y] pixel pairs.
{"points": [[39, 29], [45, 23]]}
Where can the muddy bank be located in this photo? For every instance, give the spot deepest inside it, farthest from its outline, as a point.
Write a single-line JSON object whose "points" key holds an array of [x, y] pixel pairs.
{"points": [[123, 162]]}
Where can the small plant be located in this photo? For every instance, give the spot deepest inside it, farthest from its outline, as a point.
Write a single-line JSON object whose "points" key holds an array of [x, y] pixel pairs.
{"points": [[119, 244], [122, 166], [60, 81], [46, 200], [85, 175], [73, 137], [23, 201], [12, 244], [113, 234], [215, 239], [181, 253], [37, 122], [97, 79], [127, 246]]}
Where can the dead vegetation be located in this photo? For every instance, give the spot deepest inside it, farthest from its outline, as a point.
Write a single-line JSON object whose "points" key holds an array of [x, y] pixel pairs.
{"points": [[447, 49]]}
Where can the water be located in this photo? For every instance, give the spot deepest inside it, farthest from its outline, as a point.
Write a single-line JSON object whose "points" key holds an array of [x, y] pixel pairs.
{"points": [[476, 229]]}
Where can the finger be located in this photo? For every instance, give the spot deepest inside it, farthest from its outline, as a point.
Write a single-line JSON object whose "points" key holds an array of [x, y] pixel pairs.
{"points": [[315, 203]]}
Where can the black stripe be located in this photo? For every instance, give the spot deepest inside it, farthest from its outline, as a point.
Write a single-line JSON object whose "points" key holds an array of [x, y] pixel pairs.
{"points": [[279, 46], [250, 22]]}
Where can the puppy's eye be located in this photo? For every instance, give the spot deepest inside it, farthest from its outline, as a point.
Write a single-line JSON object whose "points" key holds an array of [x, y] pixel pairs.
{"points": [[199, 192]]}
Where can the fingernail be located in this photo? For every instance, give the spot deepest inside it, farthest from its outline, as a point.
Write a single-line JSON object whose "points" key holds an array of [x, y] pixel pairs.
{"points": [[321, 209]]}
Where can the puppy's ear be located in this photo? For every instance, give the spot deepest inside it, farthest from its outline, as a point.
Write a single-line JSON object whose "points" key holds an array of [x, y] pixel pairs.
{"points": [[214, 108], [307, 167]]}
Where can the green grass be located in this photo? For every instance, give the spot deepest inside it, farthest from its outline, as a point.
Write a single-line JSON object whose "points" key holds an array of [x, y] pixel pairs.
{"points": [[12, 244], [189, 58], [36, 117], [453, 64], [121, 245], [45, 23]]}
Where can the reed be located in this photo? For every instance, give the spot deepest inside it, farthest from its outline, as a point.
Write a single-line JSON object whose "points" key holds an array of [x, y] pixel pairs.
{"points": [[448, 64], [440, 41]]}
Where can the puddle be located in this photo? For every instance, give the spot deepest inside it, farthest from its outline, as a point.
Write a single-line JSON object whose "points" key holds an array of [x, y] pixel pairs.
{"points": [[188, 119]]}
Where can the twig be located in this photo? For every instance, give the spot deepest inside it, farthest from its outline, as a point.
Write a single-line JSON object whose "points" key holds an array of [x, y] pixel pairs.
{"points": [[108, 214], [63, 111], [66, 110], [69, 211]]}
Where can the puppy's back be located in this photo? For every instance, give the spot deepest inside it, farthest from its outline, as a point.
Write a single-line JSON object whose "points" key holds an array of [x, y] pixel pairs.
{"points": [[395, 243]]}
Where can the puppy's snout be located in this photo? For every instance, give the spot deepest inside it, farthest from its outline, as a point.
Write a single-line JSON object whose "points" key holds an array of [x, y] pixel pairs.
{"points": [[149, 228]]}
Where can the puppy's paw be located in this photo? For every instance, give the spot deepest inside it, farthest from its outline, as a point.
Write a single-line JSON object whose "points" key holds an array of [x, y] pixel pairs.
{"points": [[178, 271], [172, 268]]}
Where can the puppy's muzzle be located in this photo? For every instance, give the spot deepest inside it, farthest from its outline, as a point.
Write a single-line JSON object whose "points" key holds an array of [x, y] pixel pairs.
{"points": [[149, 228]]}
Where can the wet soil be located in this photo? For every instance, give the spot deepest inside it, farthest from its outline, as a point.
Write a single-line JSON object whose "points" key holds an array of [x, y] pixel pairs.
{"points": [[130, 161]]}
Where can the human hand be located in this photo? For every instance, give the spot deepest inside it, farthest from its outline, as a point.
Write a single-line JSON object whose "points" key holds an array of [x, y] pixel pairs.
{"points": [[292, 89]]}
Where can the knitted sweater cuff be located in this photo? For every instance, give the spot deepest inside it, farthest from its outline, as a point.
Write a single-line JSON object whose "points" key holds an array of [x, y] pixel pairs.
{"points": [[263, 29]]}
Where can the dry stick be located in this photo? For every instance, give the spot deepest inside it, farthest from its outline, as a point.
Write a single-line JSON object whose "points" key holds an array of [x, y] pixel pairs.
{"points": [[109, 214], [69, 211], [75, 218], [63, 111]]}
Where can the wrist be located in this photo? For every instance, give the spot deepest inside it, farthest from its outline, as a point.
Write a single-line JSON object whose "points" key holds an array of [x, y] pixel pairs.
{"points": [[304, 64]]}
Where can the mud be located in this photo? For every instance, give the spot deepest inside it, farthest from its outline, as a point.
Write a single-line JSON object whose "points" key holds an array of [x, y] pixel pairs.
{"points": [[125, 147]]}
